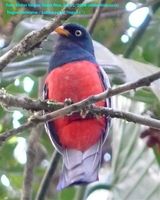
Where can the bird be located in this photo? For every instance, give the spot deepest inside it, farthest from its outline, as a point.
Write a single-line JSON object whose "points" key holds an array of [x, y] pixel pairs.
{"points": [[74, 74]]}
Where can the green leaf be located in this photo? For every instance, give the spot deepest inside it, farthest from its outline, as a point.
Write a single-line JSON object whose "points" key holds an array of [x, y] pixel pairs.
{"points": [[3, 189], [143, 95], [156, 150], [11, 165], [19, 89], [67, 194], [8, 5], [132, 161]]}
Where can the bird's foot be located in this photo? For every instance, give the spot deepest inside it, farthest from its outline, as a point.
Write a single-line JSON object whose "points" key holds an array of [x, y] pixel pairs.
{"points": [[67, 102], [92, 112], [84, 113]]}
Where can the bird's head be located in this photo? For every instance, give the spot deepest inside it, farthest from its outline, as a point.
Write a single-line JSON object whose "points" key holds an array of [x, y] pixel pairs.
{"points": [[75, 33], [73, 43]]}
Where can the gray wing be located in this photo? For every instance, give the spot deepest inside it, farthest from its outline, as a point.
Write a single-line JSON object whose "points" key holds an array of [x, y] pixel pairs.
{"points": [[107, 86], [49, 126]]}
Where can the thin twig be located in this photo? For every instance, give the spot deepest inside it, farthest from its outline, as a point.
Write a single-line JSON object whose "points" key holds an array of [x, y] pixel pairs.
{"points": [[31, 8], [9, 100], [34, 153], [32, 39], [144, 81], [7, 134], [30, 164], [95, 17], [48, 177], [108, 14], [128, 116], [117, 12], [80, 193]]}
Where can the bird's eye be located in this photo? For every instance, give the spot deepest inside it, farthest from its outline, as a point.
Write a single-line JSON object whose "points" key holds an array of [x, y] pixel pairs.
{"points": [[78, 33]]}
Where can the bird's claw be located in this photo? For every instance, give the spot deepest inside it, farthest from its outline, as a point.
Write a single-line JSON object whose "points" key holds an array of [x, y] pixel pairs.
{"points": [[68, 101], [92, 113], [84, 112]]}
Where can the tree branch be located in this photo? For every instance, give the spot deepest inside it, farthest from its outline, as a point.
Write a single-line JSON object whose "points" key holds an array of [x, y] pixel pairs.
{"points": [[8, 100], [76, 107], [95, 17], [128, 116], [35, 154], [32, 39], [48, 176], [30, 164], [145, 81], [7, 134], [37, 105]]}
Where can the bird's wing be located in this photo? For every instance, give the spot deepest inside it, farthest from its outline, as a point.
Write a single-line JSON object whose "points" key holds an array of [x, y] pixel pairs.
{"points": [[107, 86], [49, 126]]}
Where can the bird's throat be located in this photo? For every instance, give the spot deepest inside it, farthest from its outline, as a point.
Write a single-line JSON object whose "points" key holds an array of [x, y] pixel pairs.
{"points": [[69, 53]]}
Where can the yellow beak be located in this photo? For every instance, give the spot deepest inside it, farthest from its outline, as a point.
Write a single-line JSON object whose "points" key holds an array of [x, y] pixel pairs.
{"points": [[61, 31]]}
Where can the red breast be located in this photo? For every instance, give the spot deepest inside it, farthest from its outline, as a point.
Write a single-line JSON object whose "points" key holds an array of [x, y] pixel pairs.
{"points": [[76, 80]]}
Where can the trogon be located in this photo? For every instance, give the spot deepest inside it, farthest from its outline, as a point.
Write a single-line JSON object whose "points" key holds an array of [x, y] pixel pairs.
{"points": [[74, 74]]}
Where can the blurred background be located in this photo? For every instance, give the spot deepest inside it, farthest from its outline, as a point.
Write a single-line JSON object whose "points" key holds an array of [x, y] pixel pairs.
{"points": [[129, 32]]}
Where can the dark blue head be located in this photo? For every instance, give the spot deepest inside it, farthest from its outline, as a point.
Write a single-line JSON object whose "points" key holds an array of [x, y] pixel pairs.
{"points": [[74, 43]]}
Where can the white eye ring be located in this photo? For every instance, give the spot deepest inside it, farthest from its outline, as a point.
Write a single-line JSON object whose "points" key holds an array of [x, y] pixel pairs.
{"points": [[78, 33]]}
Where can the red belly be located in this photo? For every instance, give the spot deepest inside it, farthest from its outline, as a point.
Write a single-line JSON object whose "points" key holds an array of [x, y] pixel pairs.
{"points": [[76, 80]]}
